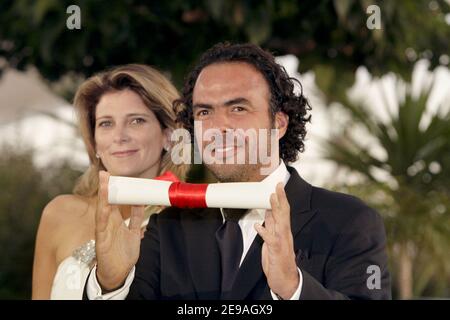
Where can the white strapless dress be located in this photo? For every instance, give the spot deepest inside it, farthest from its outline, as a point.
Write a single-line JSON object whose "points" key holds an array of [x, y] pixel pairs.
{"points": [[72, 272]]}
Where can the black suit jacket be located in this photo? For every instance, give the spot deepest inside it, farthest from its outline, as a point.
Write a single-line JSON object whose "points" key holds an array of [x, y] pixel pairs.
{"points": [[336, 238]]}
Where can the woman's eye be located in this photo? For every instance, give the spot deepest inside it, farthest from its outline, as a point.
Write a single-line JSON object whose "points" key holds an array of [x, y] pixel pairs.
{"points": [[104, 124], [138, 120]]}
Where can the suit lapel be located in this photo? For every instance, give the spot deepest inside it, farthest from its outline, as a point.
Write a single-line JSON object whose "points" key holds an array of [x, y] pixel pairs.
{"points": [[203, 255], [298, 193]]}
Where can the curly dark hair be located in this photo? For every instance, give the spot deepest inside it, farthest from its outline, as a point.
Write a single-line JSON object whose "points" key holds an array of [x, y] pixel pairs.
{"points": [[281, 87]]}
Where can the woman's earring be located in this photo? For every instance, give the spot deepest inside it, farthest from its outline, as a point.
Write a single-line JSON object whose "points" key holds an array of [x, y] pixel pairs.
{"points": [[97, 156]]}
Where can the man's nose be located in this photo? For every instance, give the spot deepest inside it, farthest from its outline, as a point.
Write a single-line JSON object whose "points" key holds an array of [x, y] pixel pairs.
{"points": [[222, 121]]}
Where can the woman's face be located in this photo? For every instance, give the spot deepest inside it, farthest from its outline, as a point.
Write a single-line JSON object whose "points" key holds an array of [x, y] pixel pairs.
{"points": [[128, 136]]}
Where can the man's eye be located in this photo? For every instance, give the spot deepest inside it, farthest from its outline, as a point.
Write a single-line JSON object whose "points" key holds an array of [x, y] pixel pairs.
{"points": [[202, 113], [238, 109], [138, 120]]}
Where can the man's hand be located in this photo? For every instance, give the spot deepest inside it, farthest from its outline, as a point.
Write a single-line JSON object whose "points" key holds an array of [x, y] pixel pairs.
{"points": [[278, 257], [116, 245]]}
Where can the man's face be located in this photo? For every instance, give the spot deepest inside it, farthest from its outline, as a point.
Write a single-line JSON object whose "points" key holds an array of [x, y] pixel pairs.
{"points": [[229, 96]]}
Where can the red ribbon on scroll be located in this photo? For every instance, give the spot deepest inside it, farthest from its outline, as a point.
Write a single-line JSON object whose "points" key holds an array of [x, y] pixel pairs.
{"points": [[188, 195], [185, 195], [168, 176]]}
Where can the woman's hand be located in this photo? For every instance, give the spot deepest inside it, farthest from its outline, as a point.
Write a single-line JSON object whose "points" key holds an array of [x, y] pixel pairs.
{"points": [[117, 246]]}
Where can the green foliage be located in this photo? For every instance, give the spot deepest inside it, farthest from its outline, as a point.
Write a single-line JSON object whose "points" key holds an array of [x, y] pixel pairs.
{"points": [[329, 37], [414, 193], [25, 192]]}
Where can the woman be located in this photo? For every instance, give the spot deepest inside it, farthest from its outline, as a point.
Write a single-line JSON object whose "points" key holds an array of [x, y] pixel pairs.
{"points": [[126, 118]]}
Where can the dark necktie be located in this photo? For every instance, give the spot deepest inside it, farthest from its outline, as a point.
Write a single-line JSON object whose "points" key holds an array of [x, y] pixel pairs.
{"points": [[229, 239]]}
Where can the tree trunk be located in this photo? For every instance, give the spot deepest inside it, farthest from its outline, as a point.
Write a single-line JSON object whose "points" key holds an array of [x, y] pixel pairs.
{"points": [[405, 273]]}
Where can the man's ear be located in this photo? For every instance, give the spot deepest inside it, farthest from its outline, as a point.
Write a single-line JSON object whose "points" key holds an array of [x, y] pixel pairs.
{"points": [[281, 123]]}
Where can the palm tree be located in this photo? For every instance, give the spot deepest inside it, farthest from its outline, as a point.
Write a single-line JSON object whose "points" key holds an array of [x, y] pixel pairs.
{"points": [[405, 173]]}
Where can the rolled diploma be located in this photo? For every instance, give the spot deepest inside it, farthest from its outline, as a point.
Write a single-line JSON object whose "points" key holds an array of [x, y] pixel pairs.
{"points": [[239, 195], [138, 191]]}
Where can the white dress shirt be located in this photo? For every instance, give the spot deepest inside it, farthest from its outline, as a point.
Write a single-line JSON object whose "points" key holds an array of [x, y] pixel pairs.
{"points": [[247, 223]]}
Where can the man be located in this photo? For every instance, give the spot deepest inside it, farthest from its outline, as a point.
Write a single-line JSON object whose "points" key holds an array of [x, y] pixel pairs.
{"points": [[312, 244]]}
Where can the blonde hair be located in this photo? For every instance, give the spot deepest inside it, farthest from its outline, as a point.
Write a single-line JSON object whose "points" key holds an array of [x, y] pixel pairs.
{"points": [[156, 92]]}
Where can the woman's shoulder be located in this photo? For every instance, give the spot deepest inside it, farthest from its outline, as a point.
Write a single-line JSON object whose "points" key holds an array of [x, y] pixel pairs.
{"points": [[67, 222], [68, 203], [66, 208]]}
